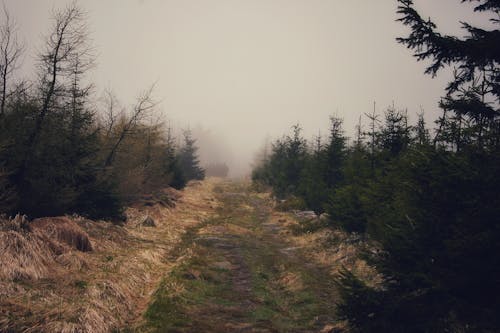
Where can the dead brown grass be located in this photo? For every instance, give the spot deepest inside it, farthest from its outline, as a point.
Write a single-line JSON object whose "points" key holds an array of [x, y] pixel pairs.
{"points": [[71, 274], [332, 249], [23, 256], [62, 231]]}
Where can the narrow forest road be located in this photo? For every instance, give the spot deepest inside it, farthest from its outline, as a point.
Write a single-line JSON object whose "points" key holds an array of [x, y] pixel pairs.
{"points": [[235, 273]]}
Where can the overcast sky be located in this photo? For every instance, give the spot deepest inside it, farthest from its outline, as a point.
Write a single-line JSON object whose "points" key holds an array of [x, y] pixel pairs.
{"points": [[245, 69]]}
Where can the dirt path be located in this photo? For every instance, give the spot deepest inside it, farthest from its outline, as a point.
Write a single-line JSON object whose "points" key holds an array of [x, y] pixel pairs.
{"points": [[236, 274]]}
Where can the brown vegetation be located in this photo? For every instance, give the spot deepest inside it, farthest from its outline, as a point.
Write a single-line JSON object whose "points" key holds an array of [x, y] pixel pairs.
{"points": [[24, 256], [71, 274], [328, 248], [64, 231]]}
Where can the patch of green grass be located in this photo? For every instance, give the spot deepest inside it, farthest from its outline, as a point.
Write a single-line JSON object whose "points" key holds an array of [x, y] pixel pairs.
{"points": [[166, 312], [263, 313], [80, 284], [203, 285], [188, 237], [278, 307]]}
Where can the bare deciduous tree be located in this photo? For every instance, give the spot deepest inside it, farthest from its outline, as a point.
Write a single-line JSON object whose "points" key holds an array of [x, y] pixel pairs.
{"points": [[66, 46], [145, 103], [111, 113], [10, 53]]}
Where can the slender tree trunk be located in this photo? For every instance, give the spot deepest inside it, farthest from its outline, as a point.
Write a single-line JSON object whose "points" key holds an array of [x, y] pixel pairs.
{"points": [[4, 87]]}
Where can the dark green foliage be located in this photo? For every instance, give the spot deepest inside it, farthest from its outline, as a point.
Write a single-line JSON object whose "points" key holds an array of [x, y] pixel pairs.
{"points": [[292, 169], [62, 174], [437, 221], [99, 198], [394, 136], [188, 159], [435, 210], [58, 157], [472, 99], [335, 154], [288, 162], [48, 138], [312, 186], [377, 310], [283, 169], [435, 213], [422, 136], [346, 209], [178, 179], [358, 302]]}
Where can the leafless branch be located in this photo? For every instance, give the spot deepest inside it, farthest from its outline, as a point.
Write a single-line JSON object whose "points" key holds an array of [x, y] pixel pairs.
{"points": [[10, 53], [66, 44], [145, 104]]}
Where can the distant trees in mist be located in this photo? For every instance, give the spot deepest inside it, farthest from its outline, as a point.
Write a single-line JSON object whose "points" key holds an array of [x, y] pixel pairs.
{"points": [[217, 170], [60, 151], [430, 202], [215, 153]]}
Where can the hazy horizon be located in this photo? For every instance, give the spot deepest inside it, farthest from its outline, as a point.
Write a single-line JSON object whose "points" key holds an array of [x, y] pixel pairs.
{"points": [[241, 71]]}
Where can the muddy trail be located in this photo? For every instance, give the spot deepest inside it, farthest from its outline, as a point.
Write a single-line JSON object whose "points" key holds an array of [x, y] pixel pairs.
{"points": [[235, 272]]}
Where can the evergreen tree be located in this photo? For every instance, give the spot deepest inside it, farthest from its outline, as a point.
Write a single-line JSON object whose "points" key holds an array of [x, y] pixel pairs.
{"points": [[188, 159], [347, 204], [312, 187], [394, 136], [473, 96], [295, 158], [421, 133], [176, 177], [335, 152], [435, 210], [48, 133]]}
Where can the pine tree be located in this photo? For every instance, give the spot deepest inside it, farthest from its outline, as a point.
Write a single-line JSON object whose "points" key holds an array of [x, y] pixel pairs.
{"points": [[176, 176], [312, 187], [435, 211], [188, 159], [421, 133], [335, 152], [296, 152], [474, 95]]}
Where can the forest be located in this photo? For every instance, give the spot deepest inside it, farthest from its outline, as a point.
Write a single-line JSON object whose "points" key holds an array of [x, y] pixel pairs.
{"points": [[426, 196], [421, 200], [63, 152]]}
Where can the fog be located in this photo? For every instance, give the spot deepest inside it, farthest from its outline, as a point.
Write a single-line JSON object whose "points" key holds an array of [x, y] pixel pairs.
{"points": [[238, 71]]}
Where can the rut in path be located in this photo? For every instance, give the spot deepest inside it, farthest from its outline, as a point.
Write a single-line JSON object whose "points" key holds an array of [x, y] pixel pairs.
{"points": [[237, 274]]}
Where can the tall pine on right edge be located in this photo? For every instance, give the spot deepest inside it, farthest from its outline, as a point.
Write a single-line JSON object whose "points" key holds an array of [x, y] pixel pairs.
{"points": [[439, 223]]}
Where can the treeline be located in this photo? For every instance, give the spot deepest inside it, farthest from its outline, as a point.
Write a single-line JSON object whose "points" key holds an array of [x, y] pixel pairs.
{"points": [[217, 170], [429, 202], [60, 151]]}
